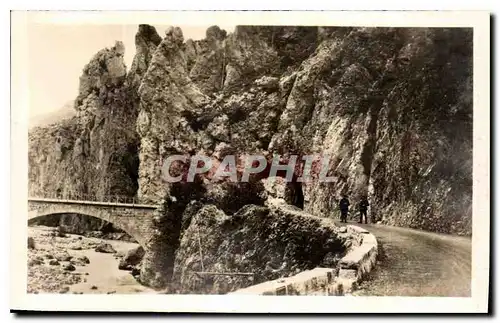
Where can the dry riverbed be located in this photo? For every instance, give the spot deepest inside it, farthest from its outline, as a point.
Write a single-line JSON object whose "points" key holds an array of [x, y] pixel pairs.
{"points": [[70, 264]]}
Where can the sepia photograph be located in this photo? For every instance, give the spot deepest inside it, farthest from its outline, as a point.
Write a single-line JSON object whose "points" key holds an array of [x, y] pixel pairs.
{"points": [[250, 155]]}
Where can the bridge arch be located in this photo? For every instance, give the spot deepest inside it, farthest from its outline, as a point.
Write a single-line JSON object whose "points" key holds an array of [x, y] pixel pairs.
{"points": [[117, 225], [133, 221]]}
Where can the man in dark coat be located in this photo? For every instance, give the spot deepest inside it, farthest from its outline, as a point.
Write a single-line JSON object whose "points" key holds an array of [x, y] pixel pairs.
{"points": [[344, 208], [363, 208]]}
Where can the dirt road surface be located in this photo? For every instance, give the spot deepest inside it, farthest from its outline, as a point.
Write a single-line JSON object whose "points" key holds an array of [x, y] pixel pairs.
{"points": [[418, 263]]}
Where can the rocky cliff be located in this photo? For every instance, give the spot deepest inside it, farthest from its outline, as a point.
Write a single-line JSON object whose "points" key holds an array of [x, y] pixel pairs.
{"points": [[391, 107], [94, 155]]}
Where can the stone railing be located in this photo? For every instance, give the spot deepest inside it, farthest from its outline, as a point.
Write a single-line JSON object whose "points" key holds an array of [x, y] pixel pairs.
{"points": [[351, 269], [123, 199]]}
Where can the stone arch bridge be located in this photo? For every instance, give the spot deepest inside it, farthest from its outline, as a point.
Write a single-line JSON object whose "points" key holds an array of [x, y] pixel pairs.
{"points": [[134, 219]]}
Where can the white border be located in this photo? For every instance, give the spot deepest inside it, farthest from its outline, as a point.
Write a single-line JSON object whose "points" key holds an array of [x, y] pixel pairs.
{"points": [[198, 303]]}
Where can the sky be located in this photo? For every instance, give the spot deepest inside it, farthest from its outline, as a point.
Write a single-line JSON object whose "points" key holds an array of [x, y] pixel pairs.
{"points": [[58, 53]]}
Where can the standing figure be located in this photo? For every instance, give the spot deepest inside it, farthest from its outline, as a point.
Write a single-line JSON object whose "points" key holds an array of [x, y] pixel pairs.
{"points": [[344, 208], [363, 208]]}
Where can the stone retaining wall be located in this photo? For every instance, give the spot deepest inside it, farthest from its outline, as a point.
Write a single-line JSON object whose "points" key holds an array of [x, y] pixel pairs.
{"points": [[351, 269]]}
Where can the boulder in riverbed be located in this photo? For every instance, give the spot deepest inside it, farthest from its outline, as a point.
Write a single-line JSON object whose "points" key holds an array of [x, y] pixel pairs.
{"points": [[54, 262], [124, 266], [31, 243], [75, 246], [61, 232], [81, 261], [105, 248], [135, 271], [69, 267], [84, 259], [63, 256], [35, 261], [133, 257]]}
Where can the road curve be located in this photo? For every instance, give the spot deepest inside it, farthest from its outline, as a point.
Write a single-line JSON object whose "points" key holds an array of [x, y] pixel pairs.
{"points": [[418, 263]]}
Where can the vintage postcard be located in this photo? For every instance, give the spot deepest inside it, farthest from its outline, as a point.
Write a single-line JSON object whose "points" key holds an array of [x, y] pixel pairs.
{"points": [[250, 161]]}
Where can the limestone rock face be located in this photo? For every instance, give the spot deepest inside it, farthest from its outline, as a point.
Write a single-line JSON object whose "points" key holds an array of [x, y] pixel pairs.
{"points": [[225, 62], [146, 41], [206, 60], [168, 98], [94, 155], [248, 57], [362, 104], [95, 152], [421, 173]]}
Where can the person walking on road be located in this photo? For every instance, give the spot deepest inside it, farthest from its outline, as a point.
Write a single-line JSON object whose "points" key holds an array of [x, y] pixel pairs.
{"points": [[344, 208], [363, 208]]}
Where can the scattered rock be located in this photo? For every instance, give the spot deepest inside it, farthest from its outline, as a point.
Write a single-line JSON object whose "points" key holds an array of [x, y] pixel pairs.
{"points": [[63, 256], [133, 257], [69, 267], [34, 262], [93, 287], [61, 233], [124, 266], [84, 259], [53, 262], [64, 290], [75, 247], [31, 243], [105, 248], [135, 271]]}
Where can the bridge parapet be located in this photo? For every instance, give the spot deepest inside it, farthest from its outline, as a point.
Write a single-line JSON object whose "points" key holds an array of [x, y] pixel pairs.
{"points": [[89, 202], [124, 199]]}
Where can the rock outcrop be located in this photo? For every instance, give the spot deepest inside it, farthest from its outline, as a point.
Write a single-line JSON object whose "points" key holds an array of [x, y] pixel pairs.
{"points": [[167, 96], [94, 156], [255, 244]]}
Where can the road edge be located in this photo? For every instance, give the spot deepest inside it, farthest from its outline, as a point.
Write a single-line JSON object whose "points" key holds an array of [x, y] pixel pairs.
{"points": [[358, 262]]}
